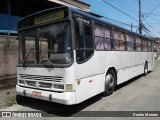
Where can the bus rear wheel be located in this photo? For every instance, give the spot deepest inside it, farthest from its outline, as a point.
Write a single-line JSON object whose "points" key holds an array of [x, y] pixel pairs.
{"points": [[110, 83], [145, 69]]}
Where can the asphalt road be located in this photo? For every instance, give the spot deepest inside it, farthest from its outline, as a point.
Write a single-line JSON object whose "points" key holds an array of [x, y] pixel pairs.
{"points": [[139, 94]]}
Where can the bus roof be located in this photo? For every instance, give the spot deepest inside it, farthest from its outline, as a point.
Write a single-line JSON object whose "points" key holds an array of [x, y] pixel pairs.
{"points": [[90, 16], [98, 19]]}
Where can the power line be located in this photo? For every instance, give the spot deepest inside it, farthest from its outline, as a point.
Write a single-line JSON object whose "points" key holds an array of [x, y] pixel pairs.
{"points": [[144, 28], [150, 27], [119, 10], [129, 7], [154, 23], [117, 21], [155, 19], [120, 22], [145, 14], [152, 10], [149, 33]]}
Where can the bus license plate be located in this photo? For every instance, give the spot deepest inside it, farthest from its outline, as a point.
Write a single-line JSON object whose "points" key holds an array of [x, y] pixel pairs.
{"points": [[36, 93]]}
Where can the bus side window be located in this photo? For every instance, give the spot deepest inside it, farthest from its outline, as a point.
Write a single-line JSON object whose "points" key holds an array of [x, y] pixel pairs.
{"points": [[145, 45], [138, 44], [102, 37], [130, 42], [119, 40], [84, 44]]}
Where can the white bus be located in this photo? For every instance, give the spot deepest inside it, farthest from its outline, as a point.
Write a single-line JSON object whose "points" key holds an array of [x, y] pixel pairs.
{"points": [[68, 56]]}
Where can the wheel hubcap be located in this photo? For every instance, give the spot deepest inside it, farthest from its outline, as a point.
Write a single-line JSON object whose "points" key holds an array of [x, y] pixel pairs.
{"points": [[146, 70], [109, 81]]}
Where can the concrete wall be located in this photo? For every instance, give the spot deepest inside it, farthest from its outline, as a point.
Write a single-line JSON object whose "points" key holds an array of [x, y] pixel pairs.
{"points": [[8, 59]]}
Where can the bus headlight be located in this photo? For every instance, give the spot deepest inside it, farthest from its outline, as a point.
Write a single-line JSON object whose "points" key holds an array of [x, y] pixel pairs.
{"points": [[69, 87], [58, 86]]}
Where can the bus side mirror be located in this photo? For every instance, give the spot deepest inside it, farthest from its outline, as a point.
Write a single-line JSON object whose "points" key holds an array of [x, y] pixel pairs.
{"points": [[80, 27]]}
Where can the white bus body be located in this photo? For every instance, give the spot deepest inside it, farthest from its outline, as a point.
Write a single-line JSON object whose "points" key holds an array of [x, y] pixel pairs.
{"points": [[88, 79], [78, 82]]}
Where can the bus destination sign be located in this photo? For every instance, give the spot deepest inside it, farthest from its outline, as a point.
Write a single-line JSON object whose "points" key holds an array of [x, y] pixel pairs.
{"points": [[86, 21], [49, 17]]}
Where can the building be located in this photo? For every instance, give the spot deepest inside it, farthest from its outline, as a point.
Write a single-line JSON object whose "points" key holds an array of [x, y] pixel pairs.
{"points": [[10, 12], [157, 43], [73, 3], [157, 48]]}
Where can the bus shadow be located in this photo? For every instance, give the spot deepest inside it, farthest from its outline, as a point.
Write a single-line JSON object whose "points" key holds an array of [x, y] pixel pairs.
{"points": [[58, 110]]}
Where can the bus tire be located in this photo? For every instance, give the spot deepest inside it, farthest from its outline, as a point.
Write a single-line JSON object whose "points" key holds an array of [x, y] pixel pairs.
{"points": [[110, 83], [145, 69]]}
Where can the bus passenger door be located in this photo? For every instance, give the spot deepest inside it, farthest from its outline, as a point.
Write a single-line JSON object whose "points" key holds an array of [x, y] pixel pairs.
{"points": [[84, 46], [87, 79], [85, 64]]}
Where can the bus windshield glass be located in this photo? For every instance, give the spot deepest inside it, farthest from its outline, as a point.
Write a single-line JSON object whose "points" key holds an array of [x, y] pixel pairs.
{"points": [[50, 43]]}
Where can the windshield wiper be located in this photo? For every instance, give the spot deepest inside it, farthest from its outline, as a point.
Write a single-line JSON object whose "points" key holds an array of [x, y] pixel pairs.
{"points": [[30, 51], [48, 61]]}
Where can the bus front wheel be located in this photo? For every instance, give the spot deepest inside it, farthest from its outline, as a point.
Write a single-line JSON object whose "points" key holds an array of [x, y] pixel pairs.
{"points": [[110, 83]]}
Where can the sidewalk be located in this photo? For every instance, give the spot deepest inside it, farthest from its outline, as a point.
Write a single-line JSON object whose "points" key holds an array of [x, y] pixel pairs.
{"points": [[7, 97]]}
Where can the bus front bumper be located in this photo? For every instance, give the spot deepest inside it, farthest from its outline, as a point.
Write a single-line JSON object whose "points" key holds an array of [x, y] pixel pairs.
{"points": [[67, 98]]}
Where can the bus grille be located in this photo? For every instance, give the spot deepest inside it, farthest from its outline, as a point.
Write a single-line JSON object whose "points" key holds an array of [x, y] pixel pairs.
{"points": [[43, 78], [37, 81], [45, 85], [31, 83]]}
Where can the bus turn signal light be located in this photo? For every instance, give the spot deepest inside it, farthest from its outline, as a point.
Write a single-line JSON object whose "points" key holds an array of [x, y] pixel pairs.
{"points": [[69, 87], [78, 82]]}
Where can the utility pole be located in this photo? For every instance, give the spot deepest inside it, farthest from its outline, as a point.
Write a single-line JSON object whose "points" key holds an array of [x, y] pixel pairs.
{"points": [[140, 18]]}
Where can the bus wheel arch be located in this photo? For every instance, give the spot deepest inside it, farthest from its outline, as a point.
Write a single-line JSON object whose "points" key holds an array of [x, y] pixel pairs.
{"points": [[110, 81], [145, 68]]}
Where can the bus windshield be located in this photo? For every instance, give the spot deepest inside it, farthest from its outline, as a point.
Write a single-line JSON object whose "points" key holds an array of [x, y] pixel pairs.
{"points": [[50, 43]]}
